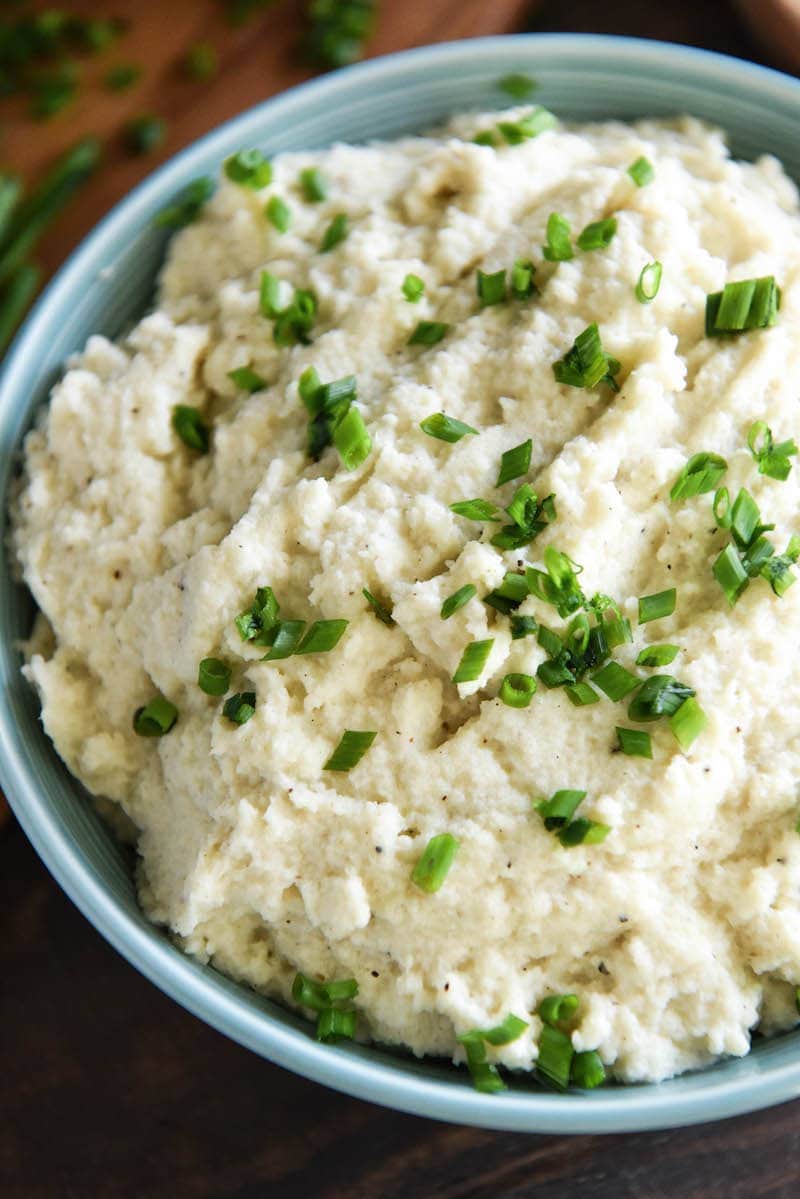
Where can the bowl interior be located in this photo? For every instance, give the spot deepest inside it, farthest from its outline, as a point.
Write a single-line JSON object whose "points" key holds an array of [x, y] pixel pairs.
{"points": [[107, 284]]}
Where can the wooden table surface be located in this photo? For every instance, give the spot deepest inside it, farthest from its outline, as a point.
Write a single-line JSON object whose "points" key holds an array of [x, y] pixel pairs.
{"points": [[108, 1090]]}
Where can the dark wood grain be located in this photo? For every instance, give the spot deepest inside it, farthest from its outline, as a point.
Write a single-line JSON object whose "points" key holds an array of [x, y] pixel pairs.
{"points": [[108, 1090]]}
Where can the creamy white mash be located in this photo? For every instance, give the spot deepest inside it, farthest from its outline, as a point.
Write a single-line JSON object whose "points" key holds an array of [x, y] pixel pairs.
{"points": [[680, 932]]}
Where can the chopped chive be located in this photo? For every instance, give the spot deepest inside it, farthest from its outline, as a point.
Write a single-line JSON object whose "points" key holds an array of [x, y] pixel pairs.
{"points": [[559, 809], [524, 502], [16, 296], [539, 120], [701, 473], [510, 594], [657, 655], [476, 510], [583, 832], [352, 439], [517, 690], [730, 573], [655, 607], [649, 282], [587, 1070], [122, 76], [530, 516], [485, 1075], [519, 87], [278, 213], [307, 992], [559, 239], [145, 133], [615, 681], [269, 295], [313, 185], [559, 586], [587, 363], [246, 379], [322, 636], [413, 288], [581, 694], [293, 323], [156, 718], [778, 570], [445, 428], [350, 750], [660, 695], [523, 626], [773, 460], [457, 600], [336, 232], [54, 89], [491, 288], [635, 742], [510, 1030], [555, 1057], [746, 304], [473, 660], [522, 284], [688, 722], [515, 462], [554, 1010], [383, 614], [249, 168], [745, 518], [190, 427], [434, 865], [428, 333], [255, 623], [283, 638], [213, 676], [240, 708], [201, 62], [335, 1024], [598, 235], [188, 206], [642, 172], [617, 632]]}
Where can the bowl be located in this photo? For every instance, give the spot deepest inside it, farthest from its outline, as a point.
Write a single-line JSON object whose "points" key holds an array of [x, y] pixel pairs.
{"points": [[107, 283]]}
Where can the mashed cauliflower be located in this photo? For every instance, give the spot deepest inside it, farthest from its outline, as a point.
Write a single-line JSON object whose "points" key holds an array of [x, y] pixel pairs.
{"points": [[680, 930]]}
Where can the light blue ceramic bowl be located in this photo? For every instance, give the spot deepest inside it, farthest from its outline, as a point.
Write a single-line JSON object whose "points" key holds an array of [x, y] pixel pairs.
{"points": [[107, 282]]}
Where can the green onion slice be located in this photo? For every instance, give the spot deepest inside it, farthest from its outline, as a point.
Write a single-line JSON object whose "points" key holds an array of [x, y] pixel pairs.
{"points": [[190, 427], [587, 363], [313, 185], [256, 622], [307, 992], [559, 809], [581, 695], [322, 636], [351, 438], [641, 171], [491, 288], [655, 607], [279, 214], [434, 864], [635, 742], [657, 655], [772, 459], [249, 168], [240, 708], [688, 722], [475, 510], [554, 1062], [413, 288], [587, 1070], [746, 304], [583, 832], [539, 120], [517, 690], [381, 611], [428, 333], [701, 473], [473, 660], [350, 750], [156, 718], [649, 282], [457, 600], [246, 379], [523, 626], [519, 87], [188, 206], [213, 676], [559, 585], [515, 462], [556, 1010], [445, 428], [660, 695], [335, 1024], [615, 681], [730, 573], [336, 232], [598, 235], [559, 239], [283, 637]]}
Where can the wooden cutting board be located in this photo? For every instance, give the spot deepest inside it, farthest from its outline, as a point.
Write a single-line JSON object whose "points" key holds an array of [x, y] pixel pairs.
{"points": [[256, 60]]}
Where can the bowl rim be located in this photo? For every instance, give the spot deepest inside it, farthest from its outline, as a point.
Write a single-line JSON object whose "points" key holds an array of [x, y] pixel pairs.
{"points": [[616, 1109]]}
